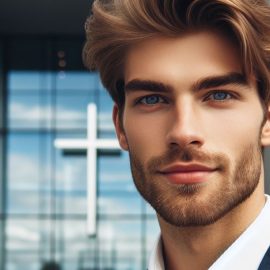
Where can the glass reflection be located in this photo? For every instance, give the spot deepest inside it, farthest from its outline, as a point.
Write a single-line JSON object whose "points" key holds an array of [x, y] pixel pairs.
{"points": [[105, 124], [22, 244], [23, 174], [25, 111], [75, 81], [28, 80], [71, 111], [46, 196]]}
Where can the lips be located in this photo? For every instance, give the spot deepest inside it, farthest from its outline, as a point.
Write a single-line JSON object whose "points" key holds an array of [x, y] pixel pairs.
{"points": [[187, 173]]}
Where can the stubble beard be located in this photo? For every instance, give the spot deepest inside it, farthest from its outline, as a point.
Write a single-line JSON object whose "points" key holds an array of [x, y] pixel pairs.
{"points": [[197, 204]]}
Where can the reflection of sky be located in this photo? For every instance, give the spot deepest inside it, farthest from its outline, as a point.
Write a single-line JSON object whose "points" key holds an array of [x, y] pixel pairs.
{"points": [[48, 80], [32, 105], [116, 187], [115, 238], [36, 168], [29, 80]]}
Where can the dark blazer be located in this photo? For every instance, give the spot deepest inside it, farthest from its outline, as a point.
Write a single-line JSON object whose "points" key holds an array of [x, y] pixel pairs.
{"points": [[265, 264]]}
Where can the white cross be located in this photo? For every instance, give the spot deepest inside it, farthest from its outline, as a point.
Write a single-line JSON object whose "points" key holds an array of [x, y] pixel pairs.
{"points": [[91, 144]]}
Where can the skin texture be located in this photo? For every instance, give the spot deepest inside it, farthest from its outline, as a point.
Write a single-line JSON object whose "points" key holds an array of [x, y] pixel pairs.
{"points": [[172, 118]]}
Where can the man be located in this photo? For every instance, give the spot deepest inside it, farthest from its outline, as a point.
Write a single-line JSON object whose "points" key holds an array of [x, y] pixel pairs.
{"points": [[190, 81]]}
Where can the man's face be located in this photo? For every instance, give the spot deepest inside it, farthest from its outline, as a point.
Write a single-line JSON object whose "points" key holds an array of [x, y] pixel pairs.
{"points": [[192, 125]]}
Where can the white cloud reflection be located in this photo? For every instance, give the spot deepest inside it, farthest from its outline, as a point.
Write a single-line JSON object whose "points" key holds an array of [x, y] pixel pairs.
{"points": [[29, 115], [24, 172]]}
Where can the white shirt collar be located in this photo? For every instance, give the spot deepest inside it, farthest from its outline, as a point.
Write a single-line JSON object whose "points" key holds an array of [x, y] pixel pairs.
{"points": [[156, 259], [245, 253]]}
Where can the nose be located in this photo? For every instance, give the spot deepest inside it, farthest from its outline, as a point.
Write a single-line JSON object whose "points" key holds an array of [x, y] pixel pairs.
{"points": [[185, 126]]}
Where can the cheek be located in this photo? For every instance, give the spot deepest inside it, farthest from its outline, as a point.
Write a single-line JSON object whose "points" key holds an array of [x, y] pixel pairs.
{"points": [[145, 136], [234, 131]]}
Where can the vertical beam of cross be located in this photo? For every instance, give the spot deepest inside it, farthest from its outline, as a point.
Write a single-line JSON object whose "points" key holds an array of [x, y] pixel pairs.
{"points": [[91, 169], [91, 144]]}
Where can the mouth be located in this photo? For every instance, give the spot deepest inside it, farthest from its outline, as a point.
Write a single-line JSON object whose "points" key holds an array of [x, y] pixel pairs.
{"points": [[187, 173]]}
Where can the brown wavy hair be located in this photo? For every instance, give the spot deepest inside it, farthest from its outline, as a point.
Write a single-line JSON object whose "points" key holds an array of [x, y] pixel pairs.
{"points": [[115, 25]]}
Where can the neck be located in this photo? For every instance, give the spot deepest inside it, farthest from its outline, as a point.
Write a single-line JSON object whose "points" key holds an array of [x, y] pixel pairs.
{"points": [[199, 247]]}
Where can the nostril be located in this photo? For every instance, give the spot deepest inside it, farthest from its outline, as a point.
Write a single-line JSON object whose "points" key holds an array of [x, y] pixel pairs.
{"points": [[195, 142], [184, 142]]}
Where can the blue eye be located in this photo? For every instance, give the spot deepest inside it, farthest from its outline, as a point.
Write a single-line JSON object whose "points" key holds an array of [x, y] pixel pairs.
{"points": [[219, 96], [151, 100]]}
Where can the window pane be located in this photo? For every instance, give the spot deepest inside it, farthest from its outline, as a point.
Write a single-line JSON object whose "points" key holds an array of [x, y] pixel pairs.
{"points": [[24, 80], [116, 249], [114, 173], [117, 193], [23, 173], [25, 111], [71, 183], [29, 173], [22, 244], [76, 81], [73, 243], [119, 203], [71, 111], [21, 82], [105, 122]]}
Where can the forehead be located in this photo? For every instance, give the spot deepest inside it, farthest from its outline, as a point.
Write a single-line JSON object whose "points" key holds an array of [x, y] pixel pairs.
{"points": [[182, 59]]}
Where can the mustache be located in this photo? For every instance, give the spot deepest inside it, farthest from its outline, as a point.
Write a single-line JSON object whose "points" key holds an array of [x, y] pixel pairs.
{"points": [[188, 154]]}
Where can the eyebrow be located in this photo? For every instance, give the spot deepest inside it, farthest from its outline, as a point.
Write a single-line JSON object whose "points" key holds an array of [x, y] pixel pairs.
{"points": [[233, 78]]}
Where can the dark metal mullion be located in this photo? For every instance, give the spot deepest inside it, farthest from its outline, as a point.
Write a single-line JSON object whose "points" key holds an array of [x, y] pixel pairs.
{"points": [[3, 153], [41, 153], [53, 161]]}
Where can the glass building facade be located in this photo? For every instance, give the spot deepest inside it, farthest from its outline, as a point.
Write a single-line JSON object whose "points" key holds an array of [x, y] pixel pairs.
{"points": [[44, 92], [44, 95]]}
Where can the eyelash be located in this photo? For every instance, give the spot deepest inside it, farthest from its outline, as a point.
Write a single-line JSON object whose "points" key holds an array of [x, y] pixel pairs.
{"points": [[207, 97], [227, 93], [139, 100]]}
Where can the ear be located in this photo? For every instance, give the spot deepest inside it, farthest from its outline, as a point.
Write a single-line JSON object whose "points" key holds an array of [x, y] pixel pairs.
{"points": [[265, 138], [119, 128]]}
